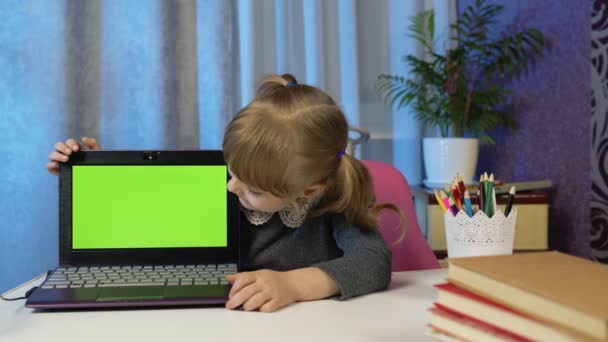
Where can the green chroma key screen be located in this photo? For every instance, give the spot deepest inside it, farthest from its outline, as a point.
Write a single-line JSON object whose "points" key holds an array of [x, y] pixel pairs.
{"points": [[148, 206]]}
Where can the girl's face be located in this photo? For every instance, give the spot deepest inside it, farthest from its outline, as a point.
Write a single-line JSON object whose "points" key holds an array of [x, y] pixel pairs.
{"points": [[253, 198]]}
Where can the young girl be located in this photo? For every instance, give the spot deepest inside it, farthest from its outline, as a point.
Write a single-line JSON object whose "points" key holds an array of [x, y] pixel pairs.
{"points": [[308, 208]]}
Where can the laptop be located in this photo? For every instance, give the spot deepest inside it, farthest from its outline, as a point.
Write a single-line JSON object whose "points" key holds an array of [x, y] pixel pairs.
{"points": [[142, 228]]}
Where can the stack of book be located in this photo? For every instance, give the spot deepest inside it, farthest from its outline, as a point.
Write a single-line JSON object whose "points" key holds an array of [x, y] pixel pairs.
{"points": [[545, 296]]}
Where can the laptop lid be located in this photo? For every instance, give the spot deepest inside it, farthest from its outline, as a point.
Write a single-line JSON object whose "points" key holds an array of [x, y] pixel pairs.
{"points": [[146, 207]]}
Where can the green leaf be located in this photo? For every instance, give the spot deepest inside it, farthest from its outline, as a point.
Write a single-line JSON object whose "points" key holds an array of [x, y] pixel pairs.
{"points": [[436, 92]]}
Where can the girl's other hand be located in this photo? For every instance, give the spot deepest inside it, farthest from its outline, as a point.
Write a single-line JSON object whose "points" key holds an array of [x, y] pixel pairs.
{"points": [[263, 290], [64, 149]]}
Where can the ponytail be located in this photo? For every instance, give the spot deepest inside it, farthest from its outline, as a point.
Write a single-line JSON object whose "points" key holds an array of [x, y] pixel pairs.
{"points": [[272, 83], [350, 191]]}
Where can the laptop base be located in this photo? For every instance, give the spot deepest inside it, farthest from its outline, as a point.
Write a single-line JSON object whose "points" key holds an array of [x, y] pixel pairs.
{"points": [[116, 297]]}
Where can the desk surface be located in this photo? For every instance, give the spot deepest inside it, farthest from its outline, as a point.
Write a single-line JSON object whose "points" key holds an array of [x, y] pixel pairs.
{"points": [[397, 314]]}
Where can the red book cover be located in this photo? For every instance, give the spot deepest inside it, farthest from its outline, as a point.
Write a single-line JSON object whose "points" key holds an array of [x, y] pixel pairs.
{"points": [[461, 326], [470, 295], [476, 307]]}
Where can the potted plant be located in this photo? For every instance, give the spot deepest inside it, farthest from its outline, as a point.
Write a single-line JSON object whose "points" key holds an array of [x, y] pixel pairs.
{"points": [[461, 91]]}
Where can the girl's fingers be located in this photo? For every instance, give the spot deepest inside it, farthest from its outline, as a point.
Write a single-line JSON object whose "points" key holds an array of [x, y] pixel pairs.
{"points": [[52, 167], [271, 306], [239, 281], [62, 148], [73, 144], [91, 143], [58, 157], [242, 296], [256, 301], [61, 153]]}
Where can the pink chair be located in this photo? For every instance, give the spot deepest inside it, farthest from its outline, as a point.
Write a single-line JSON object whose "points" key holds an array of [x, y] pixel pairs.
{"points": [[413, 252]]}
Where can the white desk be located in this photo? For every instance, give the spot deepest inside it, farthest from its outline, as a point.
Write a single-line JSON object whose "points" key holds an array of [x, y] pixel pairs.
{"points": [[398, 314]]}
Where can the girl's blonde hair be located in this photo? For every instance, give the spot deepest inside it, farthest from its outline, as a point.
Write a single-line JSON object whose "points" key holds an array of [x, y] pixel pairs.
{"points": [[294, 135]]}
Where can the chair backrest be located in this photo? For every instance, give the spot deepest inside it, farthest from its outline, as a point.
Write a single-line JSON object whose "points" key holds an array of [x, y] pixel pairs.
{"points": [[390, 186]]}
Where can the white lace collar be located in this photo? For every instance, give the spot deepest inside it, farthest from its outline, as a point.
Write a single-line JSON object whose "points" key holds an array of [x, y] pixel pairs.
{"points": [[291, 216]]}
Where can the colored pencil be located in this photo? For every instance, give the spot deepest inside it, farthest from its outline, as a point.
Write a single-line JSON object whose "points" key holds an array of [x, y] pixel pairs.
{"points": [[453, 206], [494, 207], [489, 201], [510, 201], [467, 203], [456, 194], [446, 202], [461, 186], [439, 200], [481, 193], [448, 191]]}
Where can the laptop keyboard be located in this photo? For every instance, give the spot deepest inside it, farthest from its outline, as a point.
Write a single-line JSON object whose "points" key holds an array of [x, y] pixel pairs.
{"points": [[118, 276]]}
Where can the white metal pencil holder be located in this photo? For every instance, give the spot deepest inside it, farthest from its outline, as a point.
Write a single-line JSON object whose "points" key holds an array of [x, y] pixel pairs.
{"points": [[479, 235]]}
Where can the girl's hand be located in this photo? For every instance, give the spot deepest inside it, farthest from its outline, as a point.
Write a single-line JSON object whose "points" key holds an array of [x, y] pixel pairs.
{"points": [[63, 150], [262, 290]]}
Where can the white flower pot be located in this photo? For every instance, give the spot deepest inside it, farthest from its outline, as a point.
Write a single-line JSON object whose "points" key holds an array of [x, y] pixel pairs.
{"points": [[445, 157]]}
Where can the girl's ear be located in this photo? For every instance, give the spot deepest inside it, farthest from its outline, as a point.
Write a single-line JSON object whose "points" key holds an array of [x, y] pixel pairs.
{"points": [[314, 189]]}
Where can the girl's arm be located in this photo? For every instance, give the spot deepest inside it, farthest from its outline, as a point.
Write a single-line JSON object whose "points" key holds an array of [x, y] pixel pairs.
{"points": [[365, 265], [311, 283]]}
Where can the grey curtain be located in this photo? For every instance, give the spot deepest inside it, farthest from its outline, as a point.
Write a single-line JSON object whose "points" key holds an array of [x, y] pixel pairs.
{"points": [[146, 74]]}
